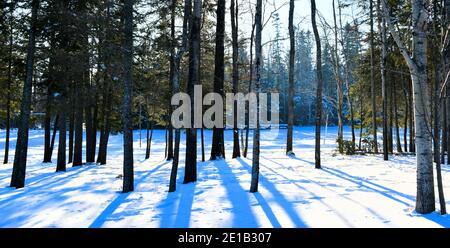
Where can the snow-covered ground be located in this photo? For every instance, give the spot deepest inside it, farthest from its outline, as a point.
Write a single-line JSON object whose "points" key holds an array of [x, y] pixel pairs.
{"points": [[350, 191]]}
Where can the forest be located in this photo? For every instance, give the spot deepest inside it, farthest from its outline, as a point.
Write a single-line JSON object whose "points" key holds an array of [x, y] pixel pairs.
{"points": [[359, 98]]}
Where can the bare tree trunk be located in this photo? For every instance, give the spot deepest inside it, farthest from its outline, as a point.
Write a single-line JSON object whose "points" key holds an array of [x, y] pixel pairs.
{"points": [[217, 151], [412, 132], [391, 114], [417, 62], [397, 125], [128, 170], [78, 127], [52, 143], [247, 121], [171, 73], [61, 161], [193, 79], [405, 124], [444, 130], [438, 60], [176, 83], [291, 91], [47, 128], [372, 78], [337, 74], [149, 139], [446, 56], [20, 157], [256, 132], [71, 134], [8, 96], [383, 59], [106, 105], [234, 12], [319, 105]]}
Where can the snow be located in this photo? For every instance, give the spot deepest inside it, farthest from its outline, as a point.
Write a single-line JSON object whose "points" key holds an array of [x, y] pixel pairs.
{"points": [[350, 191]]}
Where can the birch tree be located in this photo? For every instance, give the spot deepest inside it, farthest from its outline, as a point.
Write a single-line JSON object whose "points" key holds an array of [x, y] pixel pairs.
{"points": [[416, 59]]}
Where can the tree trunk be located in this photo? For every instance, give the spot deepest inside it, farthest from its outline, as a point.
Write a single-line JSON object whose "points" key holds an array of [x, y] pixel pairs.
{"points": [[52, 144], [78, 128], [383, 59], [372, 79], [444, 130], [234, 10], [128, 170], [340, 94], [61, 161], [20, 157], [176, 84], [71, 134], [256, 132], [217, 151], [397, 125], [8, 96], [149, 140], [319, 105], [405, 124], [193, 79], [412, 132], [247, 121], [291, 91], [417, 63], [172, 73], [391, 115], [47, 128]]}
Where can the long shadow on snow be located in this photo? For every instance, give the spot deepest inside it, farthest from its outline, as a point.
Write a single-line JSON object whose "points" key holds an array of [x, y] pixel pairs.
{"points": [[284, 203], [240, 199], [71, 172], [109, 210], [360, 182], [327, 187], [184, 196]]}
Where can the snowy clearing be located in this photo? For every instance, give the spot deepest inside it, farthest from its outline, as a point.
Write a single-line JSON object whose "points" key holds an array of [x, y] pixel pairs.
{"points": [[350, 191]]}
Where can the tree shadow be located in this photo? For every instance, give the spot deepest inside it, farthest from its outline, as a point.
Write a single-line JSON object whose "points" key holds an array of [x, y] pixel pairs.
{"points": [[362, 183], [184, 212], [121, 198], [29, 188], [240, 199], [177, 207], [280, 198]]}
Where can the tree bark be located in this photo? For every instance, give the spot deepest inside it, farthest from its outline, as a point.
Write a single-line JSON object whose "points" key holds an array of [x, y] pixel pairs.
{"points": [[128, 170], [176, 84], [71, 133], [20, 157], [383, 59], [397, 125], [234, 12], [337, 74], [61, 161], [193, 79], [217, 151], [256, 132], [319, 75], [372, 79], [171, 73], [250, 82], [291, 90], [8, 96], [417, 63], [149, 139]]}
